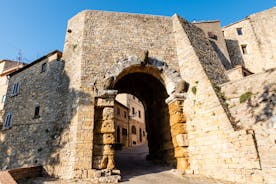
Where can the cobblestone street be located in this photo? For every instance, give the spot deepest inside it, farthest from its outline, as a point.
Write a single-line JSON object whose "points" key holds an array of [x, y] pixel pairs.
{"points": [[135, 169]]}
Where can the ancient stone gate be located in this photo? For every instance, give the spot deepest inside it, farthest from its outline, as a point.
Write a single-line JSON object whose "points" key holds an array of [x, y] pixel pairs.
{"points": [[162, 92]]}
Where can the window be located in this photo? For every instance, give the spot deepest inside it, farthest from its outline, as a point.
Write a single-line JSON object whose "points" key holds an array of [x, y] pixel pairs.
{"points": [[36, 113], [239, 31], [124, 131], [139, 114], [125, 114], [3, 98], [140, 135], [244, 49], [212, 35], [43, 67], [133, 111], [7, 123], [118, 111], [15, 89], [133, 129]]}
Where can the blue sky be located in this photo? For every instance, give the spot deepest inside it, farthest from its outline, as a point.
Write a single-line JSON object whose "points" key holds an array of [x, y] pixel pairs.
{"points": [[36, 27]]}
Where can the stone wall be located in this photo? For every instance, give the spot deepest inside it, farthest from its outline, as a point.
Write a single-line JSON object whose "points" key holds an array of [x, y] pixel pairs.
{"points": [[104, 54], [89, 53], [263, 25], [213, 32], [252, 102], [215, 149], [36, 140]]}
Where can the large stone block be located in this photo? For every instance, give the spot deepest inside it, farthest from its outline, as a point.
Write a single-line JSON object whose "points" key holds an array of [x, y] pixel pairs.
{"points": [[181, 152], [182, 140], [176, 107], [182, 164], [105, 126], [103, 150], [177, 118], [108, 113], [178, 128], [104, 139], [103, 162]]}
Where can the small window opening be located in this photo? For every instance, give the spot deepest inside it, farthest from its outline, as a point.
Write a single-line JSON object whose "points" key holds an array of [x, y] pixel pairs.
{"points": [[125, 114], [124, 131], [212, 35], [244, 49], [43, 67], [3, 98], [239, 31], [36, 114], [118, 111], [133, 111], [133, 130], [139, 114], [7, 123], [15, 89]]}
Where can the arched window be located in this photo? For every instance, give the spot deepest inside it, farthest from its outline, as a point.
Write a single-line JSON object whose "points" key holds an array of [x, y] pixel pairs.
{"points": [[133, 129]]}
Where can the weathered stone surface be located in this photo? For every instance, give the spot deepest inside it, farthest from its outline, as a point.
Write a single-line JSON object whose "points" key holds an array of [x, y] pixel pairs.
{"points": [[104, 126], [71, 134], [103, 150], [178, 128], [182, 164], [182, 140]]}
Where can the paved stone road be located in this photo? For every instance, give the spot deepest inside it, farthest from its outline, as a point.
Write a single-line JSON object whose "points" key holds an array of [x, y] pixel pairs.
{"points": [[135, 169]]}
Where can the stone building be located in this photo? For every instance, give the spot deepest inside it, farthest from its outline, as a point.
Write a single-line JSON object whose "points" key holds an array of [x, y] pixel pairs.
{"points": [[136, 122], [121, 124], [62, 116], [251, 42], [6, 67]]}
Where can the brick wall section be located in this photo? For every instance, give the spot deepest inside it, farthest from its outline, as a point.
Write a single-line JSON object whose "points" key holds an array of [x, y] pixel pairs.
{"points": [[213, 143], [257, 113]]}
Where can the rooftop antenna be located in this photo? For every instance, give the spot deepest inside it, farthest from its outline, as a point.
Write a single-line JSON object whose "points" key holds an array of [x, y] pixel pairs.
{"points": [[19, 57]]}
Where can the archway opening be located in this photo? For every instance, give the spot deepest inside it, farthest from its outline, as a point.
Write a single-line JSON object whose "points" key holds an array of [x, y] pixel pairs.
{"points": [[152, 93]]}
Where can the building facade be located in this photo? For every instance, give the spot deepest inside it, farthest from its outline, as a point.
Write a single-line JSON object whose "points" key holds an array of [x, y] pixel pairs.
{"points": [[60, 111], [136, 119], [6, 67], [251, 42]]}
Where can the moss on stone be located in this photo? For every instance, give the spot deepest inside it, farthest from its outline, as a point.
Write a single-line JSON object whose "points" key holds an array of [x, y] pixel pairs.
{"points": [[245, 96], [194, 90]]}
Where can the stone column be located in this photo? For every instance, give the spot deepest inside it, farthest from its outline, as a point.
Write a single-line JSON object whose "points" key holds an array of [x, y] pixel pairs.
{"points": [[104, 131], [178, 130], [104, 138]]}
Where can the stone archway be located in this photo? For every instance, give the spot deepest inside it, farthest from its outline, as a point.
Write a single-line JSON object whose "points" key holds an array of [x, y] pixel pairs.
{"points": [[162, 91]]}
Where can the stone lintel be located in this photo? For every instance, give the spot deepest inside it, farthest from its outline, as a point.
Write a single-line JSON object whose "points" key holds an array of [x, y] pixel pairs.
{"points": [[106, 98], [107, 94], [176, 97]]}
